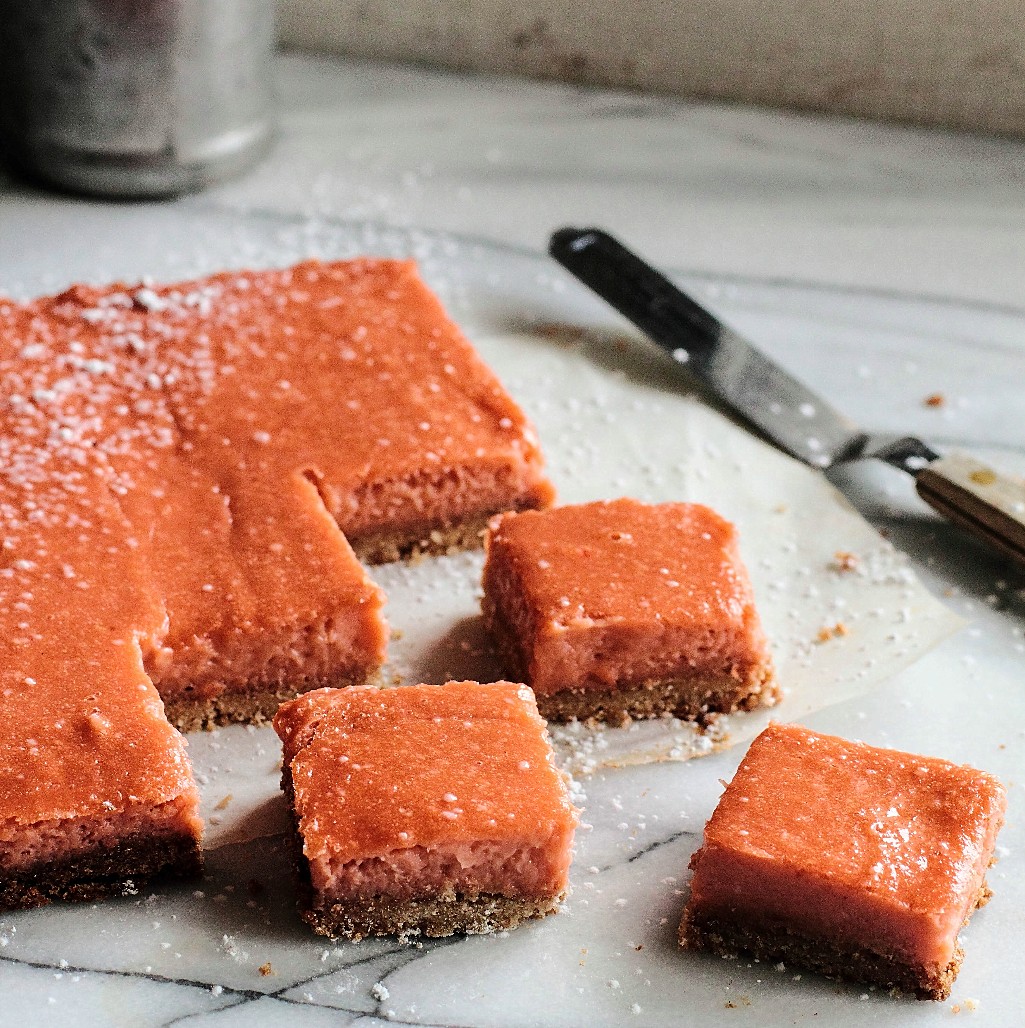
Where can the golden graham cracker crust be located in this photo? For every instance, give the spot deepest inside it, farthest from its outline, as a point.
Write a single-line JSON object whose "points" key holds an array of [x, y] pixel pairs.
{"points": [[435, 918], [430, 541], [697, 699], [122, 870], [189, 714]]}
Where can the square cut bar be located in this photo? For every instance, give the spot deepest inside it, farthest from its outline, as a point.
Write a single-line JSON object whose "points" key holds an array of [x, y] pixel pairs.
{"points": [[424, 809], [857, 862], [619, 609]]}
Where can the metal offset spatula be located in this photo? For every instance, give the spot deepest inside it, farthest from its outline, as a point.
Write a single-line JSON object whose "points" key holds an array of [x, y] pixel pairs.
{"points": [[988, 504]]}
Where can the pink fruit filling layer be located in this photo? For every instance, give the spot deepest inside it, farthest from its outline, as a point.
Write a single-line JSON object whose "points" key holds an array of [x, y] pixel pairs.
{"points": [[24, 847], [468, 869]]}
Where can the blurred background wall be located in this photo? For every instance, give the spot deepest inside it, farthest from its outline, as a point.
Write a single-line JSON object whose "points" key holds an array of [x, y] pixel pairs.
{"points": [[956, 63]]}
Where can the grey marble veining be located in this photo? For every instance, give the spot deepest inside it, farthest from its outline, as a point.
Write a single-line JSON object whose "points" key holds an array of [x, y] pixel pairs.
{"points": [[884, 264]]}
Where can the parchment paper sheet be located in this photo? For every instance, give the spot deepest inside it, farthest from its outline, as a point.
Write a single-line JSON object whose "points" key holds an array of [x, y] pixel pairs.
{"points": [[615, 419]]}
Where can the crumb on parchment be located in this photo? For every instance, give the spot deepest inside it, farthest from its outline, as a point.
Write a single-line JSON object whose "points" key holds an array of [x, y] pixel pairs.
{"points": [[844, 560], [835, 631]]}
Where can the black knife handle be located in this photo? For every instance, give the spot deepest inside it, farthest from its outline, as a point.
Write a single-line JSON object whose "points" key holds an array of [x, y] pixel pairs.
{"points": [[639, 292]]}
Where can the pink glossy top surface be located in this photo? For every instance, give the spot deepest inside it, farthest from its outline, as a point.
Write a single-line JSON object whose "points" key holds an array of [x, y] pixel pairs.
{"points": [[376, 771], [623, 561]]}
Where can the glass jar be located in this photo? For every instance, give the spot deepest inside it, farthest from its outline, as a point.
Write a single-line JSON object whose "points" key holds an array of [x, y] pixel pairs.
{"points": [[135, 98]]}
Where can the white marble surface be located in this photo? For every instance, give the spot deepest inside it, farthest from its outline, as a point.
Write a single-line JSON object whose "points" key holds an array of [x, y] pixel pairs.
{"points": [[938, 62], [882, 265]]}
